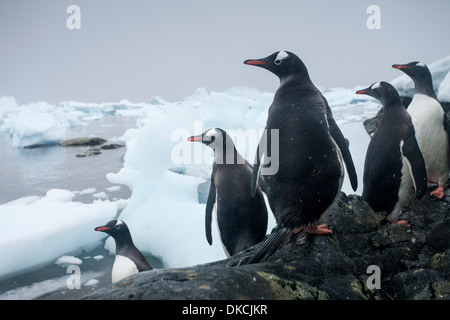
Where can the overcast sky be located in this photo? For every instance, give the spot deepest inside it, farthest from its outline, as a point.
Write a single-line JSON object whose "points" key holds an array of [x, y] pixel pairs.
{"points": [[138, 49]]}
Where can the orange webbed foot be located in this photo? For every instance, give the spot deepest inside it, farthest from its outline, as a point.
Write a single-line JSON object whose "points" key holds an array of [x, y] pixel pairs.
{"points": [[319, 229], [439, 192]]}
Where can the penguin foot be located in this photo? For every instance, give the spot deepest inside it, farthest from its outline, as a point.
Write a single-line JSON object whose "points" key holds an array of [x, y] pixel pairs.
{"points": [[439, 192], [319, 229], [403, 222]]}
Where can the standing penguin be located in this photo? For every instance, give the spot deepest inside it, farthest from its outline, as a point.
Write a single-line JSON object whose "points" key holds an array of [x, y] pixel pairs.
{"points": [[432, 125], [129, 260], [393, 161], [310, 149], [242, 219]]}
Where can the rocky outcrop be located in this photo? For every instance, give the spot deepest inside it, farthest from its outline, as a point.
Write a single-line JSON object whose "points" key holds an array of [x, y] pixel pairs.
{"points": [[83, 142], [95, 144], [414, 263]]}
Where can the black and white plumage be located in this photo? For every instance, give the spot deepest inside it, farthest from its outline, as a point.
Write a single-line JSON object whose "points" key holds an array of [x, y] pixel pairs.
{"points": [[431, 123], [394, 162], [242, 219], [312, 152], [128, 260]]}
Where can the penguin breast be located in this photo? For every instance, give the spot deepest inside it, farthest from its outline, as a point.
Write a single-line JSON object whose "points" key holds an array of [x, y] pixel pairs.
{"points": [[123, 267]]}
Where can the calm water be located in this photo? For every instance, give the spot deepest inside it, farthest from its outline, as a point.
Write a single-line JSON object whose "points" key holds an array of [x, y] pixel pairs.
{"points": [[32, 172]]}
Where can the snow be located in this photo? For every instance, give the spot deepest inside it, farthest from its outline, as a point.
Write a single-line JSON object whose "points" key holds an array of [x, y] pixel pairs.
{"points": [[43, 288], [161, 167], [87, 191], [41, 229], [68, 260], [91, 282]]}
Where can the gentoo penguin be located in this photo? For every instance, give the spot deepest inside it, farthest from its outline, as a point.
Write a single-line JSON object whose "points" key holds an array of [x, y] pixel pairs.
{"points": [[432, 125], [242, 219], [393, 161], [129, 260], [310, 149]]}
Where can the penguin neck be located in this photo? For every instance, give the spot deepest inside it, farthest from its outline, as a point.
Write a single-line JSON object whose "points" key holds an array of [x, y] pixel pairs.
{"points": [[391, 107], [226, 153], [124, 244], [424, 85], [301, 79], [227, 156]]}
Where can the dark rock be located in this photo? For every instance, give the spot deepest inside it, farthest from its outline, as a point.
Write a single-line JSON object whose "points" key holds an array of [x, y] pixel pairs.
{"points": [[90, 152], [441, 262], [371, 124], [414, 263], [40, 145], [112, 146], [418, 284], [83, 142]]}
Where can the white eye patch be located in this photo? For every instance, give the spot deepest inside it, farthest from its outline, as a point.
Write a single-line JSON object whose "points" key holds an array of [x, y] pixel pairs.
{"points": [[211, 133], [420, 64], [118, 223], [375, 85], [281, 56]]}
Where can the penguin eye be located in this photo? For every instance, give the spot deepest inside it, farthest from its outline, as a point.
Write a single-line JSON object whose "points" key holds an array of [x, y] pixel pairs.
{"points": [[117, 226], [277, 62], [212, 138]]}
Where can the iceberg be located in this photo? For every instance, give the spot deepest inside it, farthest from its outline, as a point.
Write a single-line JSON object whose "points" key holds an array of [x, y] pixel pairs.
{"points": [[444, 89]]}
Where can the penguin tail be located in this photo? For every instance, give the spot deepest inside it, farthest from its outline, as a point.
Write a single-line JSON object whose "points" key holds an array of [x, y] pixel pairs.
{"points": [[278, 238]]}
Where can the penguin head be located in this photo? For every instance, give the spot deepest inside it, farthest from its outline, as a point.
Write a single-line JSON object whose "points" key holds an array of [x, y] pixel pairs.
{"points": [[281, 63], [116, 229], [415, 70], [382, 91], [213, 138]]}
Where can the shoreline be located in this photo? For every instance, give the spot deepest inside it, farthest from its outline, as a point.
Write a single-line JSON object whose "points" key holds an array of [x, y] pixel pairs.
{"points": [[49, 282]]}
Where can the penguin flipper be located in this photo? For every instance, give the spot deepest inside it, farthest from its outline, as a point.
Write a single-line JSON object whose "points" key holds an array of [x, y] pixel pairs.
{"points": [[278, 238], [416, 163], [340, 140], [256, 169], [447, 130], [208, 212]]}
